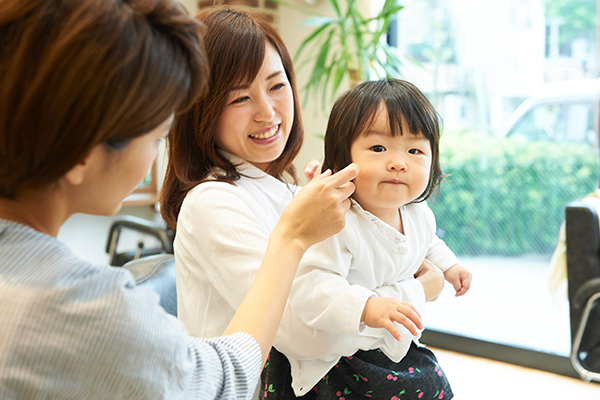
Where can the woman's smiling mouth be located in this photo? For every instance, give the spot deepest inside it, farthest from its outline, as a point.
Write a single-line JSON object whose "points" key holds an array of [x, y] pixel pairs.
{"points": [[266, 135]]}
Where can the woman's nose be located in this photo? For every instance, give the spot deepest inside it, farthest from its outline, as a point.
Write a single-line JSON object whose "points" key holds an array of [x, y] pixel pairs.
{"points": [[264, 110]]}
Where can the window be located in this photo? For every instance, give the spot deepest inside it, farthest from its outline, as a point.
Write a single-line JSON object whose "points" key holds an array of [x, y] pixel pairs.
{"points": [[147, 191], [516, 152]]}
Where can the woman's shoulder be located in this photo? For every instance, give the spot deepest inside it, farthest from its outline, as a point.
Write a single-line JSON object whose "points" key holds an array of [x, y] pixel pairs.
{"points": [[30, 257], [212, 192], [212, 187], [45, 285], [208, 199], [44, 266], [60, 310]]}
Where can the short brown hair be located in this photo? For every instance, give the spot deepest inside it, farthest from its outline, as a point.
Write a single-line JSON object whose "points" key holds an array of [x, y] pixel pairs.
{"points": [[78, 73], [235, 45], [356, 109]]}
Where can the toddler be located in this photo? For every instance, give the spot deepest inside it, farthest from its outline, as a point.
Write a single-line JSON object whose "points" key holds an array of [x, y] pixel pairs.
{"points": [[364, 288]]}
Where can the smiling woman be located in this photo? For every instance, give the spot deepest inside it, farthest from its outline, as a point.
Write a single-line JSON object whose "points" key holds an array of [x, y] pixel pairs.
{"points": [[227, 160]]}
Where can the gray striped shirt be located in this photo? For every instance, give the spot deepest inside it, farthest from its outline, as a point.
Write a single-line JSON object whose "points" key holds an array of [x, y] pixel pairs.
{"points": [[73, 330]]}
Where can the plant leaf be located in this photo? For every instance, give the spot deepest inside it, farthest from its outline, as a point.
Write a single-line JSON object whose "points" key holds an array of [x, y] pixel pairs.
{"points": [[315, 35], [340, 73], [317, 21], [336, 7]]}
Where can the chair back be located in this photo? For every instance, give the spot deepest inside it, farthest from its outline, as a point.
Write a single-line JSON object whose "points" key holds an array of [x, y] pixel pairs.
{"points": [[157, 273], [583, 271]]}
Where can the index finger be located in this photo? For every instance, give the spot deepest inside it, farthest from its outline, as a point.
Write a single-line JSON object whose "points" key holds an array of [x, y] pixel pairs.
{"points": [[344, 176]]}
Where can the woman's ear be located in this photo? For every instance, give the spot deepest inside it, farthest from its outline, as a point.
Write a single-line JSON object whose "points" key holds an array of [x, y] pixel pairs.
{"points": [[78, 173]]}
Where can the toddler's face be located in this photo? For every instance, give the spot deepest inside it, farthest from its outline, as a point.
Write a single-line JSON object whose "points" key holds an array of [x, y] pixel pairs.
{"points": [[393, 170]]}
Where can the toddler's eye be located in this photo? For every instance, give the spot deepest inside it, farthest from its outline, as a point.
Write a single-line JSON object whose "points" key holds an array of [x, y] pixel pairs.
{"points": [[378, 148], [414, 151]]}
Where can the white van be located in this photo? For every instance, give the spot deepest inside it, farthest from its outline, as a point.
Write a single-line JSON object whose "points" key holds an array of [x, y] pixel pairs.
{"points": [[559, 112]]}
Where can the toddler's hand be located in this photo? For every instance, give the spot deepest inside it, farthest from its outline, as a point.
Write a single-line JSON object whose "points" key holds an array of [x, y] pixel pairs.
{"points": [[460, 278], [312, 168], [382, 312]]}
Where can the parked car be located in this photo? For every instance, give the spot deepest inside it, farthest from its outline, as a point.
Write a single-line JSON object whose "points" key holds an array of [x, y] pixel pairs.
{"points": [[559, 112]]}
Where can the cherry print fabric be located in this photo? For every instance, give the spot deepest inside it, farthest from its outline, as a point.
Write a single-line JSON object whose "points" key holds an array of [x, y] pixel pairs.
{"points": [[366, 375]]}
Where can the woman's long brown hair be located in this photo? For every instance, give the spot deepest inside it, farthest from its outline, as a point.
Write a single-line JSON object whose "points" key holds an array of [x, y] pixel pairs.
{"points": [[235, 45]]}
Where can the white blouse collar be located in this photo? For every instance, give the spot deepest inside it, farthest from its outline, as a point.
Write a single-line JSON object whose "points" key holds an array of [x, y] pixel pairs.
{"points": [[275, 188]]}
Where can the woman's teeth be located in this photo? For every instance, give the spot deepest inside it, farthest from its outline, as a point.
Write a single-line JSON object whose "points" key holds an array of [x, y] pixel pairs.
{"points": [[266, 135]]}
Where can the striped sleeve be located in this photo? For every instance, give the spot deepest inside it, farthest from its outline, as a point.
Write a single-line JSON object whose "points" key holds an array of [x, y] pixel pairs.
{"points": [[239, 358], [179, 365]]}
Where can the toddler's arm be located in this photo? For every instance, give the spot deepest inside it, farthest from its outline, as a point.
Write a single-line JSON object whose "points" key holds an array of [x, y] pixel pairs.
{"points": [[459, 277], [382, 312]]}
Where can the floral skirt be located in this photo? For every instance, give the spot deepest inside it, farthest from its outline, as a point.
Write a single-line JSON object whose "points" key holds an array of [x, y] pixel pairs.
{"points": [[366, 374]]}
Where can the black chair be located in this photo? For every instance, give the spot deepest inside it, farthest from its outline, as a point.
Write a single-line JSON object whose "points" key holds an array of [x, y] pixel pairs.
{"points": [[583, 270], [159, 231], [157, 273]]}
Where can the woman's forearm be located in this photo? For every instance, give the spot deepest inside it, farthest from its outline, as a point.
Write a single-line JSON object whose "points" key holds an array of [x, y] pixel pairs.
{"points": [[261, 310]]}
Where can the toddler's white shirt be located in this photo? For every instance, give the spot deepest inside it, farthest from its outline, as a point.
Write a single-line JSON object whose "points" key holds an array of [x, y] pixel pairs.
{"points": [[337, 276]]}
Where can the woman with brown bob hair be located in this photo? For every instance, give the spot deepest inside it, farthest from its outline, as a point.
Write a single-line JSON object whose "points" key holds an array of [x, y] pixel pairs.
{"points": [[230, 174], [89, 88]]}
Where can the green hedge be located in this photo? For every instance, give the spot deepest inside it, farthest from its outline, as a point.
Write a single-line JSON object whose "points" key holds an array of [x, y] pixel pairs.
{"points": [[505, 196]]}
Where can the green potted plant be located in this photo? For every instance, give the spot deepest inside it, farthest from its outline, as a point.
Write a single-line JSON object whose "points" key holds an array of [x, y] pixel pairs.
{"points": [[347, 46]]}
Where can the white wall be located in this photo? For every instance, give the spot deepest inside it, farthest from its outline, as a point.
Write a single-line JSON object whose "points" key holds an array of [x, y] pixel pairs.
{"points": [[190, 5]]}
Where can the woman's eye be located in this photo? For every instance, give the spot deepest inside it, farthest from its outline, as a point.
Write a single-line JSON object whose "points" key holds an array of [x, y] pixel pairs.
{"points": [[239, 100], [378, 148], [278, 87], [415, 151]]}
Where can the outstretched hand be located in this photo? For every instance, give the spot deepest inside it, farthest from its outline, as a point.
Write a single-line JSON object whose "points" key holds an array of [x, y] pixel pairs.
{"points": [[382, 312], [460, 278], [318, 210]]}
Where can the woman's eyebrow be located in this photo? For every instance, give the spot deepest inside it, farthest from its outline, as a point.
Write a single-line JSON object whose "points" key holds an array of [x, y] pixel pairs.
{"points": [[274, 74], [244, 87]]}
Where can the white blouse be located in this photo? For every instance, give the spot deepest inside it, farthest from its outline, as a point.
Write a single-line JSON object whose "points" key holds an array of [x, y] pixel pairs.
{"points": [[222, 235]]}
